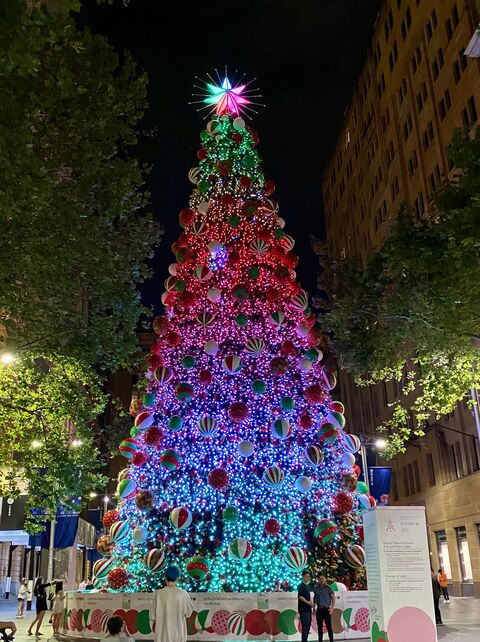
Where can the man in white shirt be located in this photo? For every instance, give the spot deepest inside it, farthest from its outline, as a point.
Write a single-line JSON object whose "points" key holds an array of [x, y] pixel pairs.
{"points": [[171, 607]]}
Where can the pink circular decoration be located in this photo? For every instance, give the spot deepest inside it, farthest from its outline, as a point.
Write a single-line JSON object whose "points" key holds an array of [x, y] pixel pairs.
{"points": [[220, 622], [408, 620]]}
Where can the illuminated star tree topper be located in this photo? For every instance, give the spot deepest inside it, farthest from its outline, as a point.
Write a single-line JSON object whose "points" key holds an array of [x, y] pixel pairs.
{"points": [[223, 96]]}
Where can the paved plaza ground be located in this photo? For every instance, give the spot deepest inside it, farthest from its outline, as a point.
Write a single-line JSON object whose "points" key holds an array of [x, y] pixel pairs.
{"points": [[461, 617]]}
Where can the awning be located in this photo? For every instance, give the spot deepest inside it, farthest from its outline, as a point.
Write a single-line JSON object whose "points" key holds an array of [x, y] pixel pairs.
{"points": [[18, 538]]}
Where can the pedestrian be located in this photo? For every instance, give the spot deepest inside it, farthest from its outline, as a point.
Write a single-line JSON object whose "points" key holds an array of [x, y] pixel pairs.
{"points": [[436, 598], [305, 604], [58, 606], [117, 631], [443, 581], [89, 584], [41, 604], [170, 609], [324, 603], [83, 585], [22, 597]]}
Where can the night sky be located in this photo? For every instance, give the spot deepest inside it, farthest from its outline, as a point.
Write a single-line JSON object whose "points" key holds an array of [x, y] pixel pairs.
{"points": [[305, 54]]}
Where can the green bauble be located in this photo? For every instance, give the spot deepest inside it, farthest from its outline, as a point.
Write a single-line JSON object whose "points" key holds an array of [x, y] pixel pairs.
{"points": [[188, 361], [204, 135], [234, 220], [279, 233], [259, 386], [254, 272], [312, 354], [134, 431], [287, 403], [149, 400], [179, 285], [241, 320], [249, 161], [203, 187], [175, 423], [230, 514]]}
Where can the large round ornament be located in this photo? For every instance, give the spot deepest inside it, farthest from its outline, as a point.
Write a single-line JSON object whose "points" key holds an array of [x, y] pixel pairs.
{"points": [[232, 364], [202, 273], [366, 501], [362, 488], [303, 484], [230, 514], [119, 532], [155, 559], [211, 348], [204, 319], [197, 568], [144, 500], [347, 461], [325, 530], [207, 426], [184, 391], [278, 318], [278, 366], [300, 300], [238, 411], [351, 443], [163, 374], [296, 558], [111, 516], [180, 517], [143, 420], [153, 436], [349, 482], [287, 242], [329, 380], [218, 478], [175, 423], [273, 476], [281, 429], [214, 295], [245, 448], [343, 502], [105, 545], [259, 247], [327, 433], [236, 623], [128, 447], [255, 346], [139, 534], [355, 556], [240, 549], [314, 455], [338, 406], [126, 489], [194, 175], [101, 567], [336, 419], [117, 578], [272, 526], [170, 459]]}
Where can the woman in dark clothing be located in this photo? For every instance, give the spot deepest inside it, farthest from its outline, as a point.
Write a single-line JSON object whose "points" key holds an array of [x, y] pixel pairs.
{"points": [[41, 604], [436, 598]]}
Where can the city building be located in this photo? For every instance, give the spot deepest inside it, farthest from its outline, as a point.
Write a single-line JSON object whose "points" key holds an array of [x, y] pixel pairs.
{"points": [[415, 88]]}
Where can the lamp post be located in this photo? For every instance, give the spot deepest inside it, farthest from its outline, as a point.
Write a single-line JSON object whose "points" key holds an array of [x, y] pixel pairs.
{"points": [[379, 443]]}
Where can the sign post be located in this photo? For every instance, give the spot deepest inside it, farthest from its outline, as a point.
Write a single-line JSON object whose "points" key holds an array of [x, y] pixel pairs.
{"points": [[399, 574]]}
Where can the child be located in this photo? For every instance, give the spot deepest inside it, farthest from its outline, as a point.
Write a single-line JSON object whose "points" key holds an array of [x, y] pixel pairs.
{"points": [[117, 631], [58, 606]]}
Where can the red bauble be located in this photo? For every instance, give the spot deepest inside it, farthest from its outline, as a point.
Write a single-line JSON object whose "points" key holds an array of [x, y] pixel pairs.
{"points": [[154, 361], [218, 478], [314, 393], [291, 260], [155, 348], [278, 366], [185, 240], [160, 325], [205, 377], [360, 533], [344, 502], [238, 411], [288, 347], [168, 298], [264, 234], [153, 436], [201, 154], [245, 181], [282, 274], [224, 167], [118, 578], [110, 517], [305, 422], [236, 137], [227, 199], [187, 299], [278, 254], [356, 469], [139, 459], [314, 337], [255, 137], [172, 338], [272, 526], [272, 294], [269, 187]]}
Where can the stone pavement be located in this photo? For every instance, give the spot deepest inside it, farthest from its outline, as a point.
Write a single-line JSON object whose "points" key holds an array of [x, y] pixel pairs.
{"points": [[461, 617]]}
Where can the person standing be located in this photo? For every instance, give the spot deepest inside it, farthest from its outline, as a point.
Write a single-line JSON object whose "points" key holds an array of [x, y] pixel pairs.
{"points": [[171, 607], [305, 604], [324, 602], [443, 581], [83, 585], [436, 598], [41, 604], [58, 606], [22, 597]]}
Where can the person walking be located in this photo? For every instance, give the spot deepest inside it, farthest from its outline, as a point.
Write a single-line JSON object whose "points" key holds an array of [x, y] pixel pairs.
{"points": [[443, 581], [22, 597], [305, 604], [41, 604], [436, 598], [171, 607], [324, 602]]}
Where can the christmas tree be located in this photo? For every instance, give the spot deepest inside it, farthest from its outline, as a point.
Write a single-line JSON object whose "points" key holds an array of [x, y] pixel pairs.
{"points": [[240, 471]]}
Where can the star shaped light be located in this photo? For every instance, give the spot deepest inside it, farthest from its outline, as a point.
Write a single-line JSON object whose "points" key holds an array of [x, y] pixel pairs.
{"points": [[225, 97]]}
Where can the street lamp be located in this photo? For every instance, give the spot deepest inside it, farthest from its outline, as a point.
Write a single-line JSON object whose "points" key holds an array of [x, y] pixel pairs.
{"points": [[36, 444], [92, 495], [76, 443], [7, 358], [379, 444]]}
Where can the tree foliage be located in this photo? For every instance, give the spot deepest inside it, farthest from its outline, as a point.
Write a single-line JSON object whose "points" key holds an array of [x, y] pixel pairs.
{"points": [[75, 238], [415, 310]]}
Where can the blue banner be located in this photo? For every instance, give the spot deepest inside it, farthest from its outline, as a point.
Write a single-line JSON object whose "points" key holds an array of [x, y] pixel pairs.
{"points": [[66, 526], [380, 479]]}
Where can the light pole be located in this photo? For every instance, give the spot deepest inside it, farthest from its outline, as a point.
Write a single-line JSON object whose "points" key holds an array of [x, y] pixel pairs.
{"points": [[379, 443]]}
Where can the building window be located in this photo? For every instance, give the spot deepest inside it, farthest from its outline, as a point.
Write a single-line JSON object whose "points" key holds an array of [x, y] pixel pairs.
{"points": [[455, 16], [408, 17], [395, 490], [443, 554], [407, 126], [416, 60], [416, 477], [420, 205], [395, 188], [430, 469], [433, 16], [449, 29], [464, 554]]}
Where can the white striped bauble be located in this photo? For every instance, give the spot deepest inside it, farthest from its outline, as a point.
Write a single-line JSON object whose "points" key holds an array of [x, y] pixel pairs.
{"points": [[273, 476], [202, 273], [163, 374], [287, 242], [101, 567], [207, 426], [144, 420], [214, 295], [259, 247], [119, 532], [300, 301], [232, 364], [126, 488], [194, 175], [314, 455], [296, 558], [255, 346], [281, 429], [211, 348], [204, 319], [278, 318], [169, 282], [337, 419], [180, 517], [351, 443], [240, 549], [236, 623], [198, 228], [155, 559]]}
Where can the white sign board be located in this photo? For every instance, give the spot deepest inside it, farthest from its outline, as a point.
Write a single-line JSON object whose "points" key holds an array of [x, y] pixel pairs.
{"points": [[399, 574], [216, 616]]}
